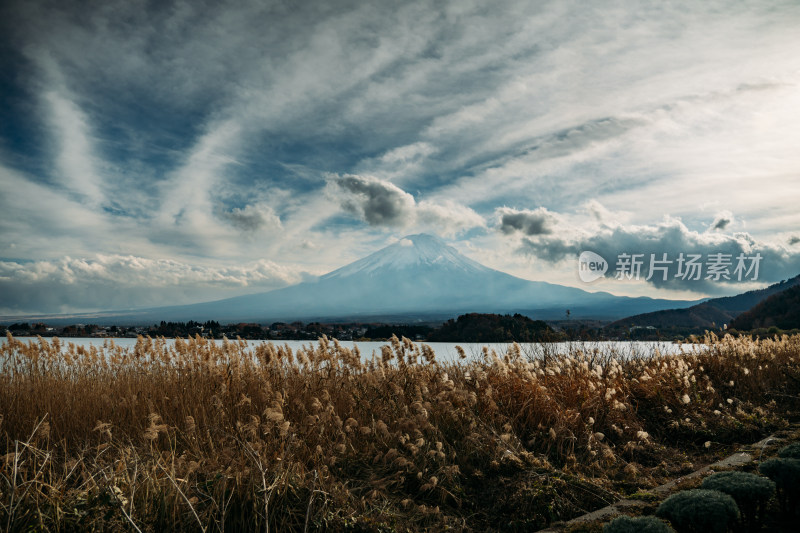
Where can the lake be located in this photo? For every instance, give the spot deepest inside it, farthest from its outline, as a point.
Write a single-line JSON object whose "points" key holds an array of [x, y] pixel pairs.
{"points": [[445, 351]]}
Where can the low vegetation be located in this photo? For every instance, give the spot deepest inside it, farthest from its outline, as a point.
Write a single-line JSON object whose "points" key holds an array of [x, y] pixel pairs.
{"points": [[785, 472], [197, 436], [791, 451], [751, 492], [700, 511], [639, 524]]}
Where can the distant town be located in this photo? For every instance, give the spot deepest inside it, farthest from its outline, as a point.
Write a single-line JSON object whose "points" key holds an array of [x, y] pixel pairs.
{"points": [[762, 321], [471, 327], [210, 329]]}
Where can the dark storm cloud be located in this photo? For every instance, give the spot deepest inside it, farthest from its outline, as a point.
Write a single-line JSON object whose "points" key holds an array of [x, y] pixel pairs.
{"points": [[537, 222], [379, 203]]}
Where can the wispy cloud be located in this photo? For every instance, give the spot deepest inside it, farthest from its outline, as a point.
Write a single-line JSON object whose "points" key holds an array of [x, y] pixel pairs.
{"points": [[252, 217], [75, 160], [210, 132]]}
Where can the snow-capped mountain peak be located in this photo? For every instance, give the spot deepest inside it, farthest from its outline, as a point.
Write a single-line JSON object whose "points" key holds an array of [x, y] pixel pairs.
{"points": [[417, 276], [414, 251]]}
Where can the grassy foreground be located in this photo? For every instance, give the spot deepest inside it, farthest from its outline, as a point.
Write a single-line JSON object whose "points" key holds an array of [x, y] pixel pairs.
{"points": [[195, 436]]}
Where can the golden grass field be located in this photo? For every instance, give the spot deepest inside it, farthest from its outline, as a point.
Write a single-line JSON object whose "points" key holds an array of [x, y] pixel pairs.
{"points": [[202, 437]]}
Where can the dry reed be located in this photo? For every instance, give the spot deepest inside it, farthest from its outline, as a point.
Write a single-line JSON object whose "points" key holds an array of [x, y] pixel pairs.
{"points": [[194, 435]]}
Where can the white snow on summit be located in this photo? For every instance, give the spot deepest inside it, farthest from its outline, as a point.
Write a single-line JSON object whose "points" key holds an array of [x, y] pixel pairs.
{"points": [[413, 251]]}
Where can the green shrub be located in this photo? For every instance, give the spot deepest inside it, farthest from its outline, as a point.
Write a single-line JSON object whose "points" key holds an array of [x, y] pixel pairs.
{"points": [[791, 451], [751, 492], [785, 472], [699, 511], [644, 496], [641, 524]]}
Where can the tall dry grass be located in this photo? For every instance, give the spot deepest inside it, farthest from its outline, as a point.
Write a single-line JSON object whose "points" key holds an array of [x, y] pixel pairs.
{"points": [[193, 435]]}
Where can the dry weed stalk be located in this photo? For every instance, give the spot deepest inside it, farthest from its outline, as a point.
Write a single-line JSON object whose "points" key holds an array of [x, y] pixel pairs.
{"points": [[195, 434]]}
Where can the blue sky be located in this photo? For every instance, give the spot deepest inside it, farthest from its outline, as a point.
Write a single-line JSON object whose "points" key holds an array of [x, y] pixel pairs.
{"points": [[167, 152]]}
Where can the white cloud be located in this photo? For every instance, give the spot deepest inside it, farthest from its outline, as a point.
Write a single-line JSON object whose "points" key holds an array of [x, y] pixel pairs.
{"points": [[670, 237], [42, 220], [407, 153], [187, 196], [722, 221], [75, 156], [252, 217], [446, 217], [123, 281]]}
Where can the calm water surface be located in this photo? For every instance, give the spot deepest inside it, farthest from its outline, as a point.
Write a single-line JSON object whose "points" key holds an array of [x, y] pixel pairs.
{"points": [[445, 351]]}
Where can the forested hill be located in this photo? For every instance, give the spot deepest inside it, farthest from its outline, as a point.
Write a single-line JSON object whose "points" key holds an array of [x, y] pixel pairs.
{"points": [[477, 327], [781, 310], [709, 314]]}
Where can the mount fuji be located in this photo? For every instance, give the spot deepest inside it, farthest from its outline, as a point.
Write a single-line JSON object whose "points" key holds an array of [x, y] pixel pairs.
{"points": [[419, 277]]}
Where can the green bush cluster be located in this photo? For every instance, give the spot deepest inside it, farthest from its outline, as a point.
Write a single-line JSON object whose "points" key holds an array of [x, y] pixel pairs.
{"points": [[751, 492], [641, 524], [700, 511], [791, 451], [785, 472]]}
